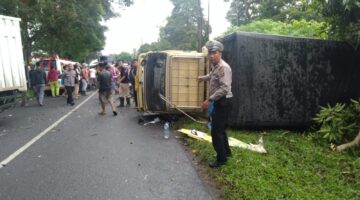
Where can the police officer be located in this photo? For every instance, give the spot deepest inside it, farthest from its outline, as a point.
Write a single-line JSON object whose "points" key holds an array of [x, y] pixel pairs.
{"points": [[220, 78]]}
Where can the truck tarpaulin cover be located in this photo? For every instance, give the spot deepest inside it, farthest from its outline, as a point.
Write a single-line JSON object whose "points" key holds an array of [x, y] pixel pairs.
{"points": [[282, 81]]}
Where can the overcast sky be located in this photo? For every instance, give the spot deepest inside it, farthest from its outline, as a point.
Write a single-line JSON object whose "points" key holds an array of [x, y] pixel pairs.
{"points": [[141, 23]]}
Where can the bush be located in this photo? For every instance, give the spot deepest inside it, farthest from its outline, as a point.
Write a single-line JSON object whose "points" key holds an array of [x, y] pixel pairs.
{"points": [[295, 28], [339, 123], [30, 93]]}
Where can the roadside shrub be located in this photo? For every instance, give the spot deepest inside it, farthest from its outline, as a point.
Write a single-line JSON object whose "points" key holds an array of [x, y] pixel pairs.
{"points": [[30, 93], [295, 28], [339, 123]]}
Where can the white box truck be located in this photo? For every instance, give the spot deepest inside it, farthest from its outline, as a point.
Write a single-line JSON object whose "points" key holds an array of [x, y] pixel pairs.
{"points": [[12, 68]]}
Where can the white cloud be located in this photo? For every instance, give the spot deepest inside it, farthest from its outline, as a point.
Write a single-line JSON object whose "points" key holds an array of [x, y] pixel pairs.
{"points": [[141, 23]]}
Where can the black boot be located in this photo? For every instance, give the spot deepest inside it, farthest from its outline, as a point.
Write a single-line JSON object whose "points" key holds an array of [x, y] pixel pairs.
{"points": [[127, 101], [121, 102]]}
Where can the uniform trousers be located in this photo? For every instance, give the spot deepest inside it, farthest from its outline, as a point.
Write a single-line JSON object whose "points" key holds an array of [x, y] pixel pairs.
{"points": [[222, 108]]}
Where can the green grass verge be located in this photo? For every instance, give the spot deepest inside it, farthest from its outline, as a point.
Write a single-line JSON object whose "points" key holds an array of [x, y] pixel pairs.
{"points": [[297, 166]]}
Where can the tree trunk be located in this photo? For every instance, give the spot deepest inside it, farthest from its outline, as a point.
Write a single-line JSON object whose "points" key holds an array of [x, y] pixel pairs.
{"points": [[27, 47], [356, 141], [200, 27]]}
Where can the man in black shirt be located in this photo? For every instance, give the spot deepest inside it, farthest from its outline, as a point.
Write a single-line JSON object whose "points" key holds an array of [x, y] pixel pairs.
{"points": [[124, 90], [39, 78], [105, 95], [32, 75]]}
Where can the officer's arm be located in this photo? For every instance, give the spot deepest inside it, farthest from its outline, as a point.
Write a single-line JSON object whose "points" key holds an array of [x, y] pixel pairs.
{"points": [[204, 78]]}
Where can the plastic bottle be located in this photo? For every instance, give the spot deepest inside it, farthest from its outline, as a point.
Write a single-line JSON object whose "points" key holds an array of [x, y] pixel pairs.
{"points": [[166, 130]]}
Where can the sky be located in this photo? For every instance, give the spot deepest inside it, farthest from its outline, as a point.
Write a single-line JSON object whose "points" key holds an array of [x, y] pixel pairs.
{"points": [[140, 23]]}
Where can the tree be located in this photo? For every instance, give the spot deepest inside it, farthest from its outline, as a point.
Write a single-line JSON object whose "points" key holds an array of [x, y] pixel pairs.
{"points": [[160, 45], [296, 28], [343, 17], [245, 11], [125, 56], [186, 27], [68, 27], [242, 11]]}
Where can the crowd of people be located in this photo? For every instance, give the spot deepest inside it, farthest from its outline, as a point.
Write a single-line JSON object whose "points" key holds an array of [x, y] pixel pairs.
{"points": [[79, 78], [113, 79]]}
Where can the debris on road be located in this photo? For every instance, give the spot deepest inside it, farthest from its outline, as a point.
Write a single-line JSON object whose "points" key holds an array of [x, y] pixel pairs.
{"points": [[156, 120], [232, 141]]}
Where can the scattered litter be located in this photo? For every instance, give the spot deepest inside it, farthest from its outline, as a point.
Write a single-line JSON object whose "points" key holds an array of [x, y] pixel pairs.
{"points": [[156, 120], [145, 177], [10, 115], [232, 141], [39, 156], [333, 146]]}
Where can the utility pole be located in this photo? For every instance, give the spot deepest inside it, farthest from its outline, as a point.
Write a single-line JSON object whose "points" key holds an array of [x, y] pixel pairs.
{"points": [[200, 26], [208, 25]]}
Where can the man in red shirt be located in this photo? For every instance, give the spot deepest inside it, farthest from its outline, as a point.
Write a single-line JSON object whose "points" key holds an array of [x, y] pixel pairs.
{"points": [[53, 81]]}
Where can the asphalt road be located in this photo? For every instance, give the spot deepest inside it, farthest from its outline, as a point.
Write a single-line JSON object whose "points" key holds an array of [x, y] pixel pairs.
{"points": [[88, 156]]}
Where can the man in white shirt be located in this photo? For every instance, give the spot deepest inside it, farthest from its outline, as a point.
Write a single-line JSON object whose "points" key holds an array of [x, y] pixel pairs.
{"points": [[92, 78]]}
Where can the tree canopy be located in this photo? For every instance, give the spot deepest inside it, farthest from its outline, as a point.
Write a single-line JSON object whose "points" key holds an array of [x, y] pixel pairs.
{"points": [[186, 28], [70, 28], [245, 11], [125, 56], [341, 18], [296, 28]]}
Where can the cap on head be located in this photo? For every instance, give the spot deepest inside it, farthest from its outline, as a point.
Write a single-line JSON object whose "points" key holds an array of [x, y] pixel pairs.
{"points": [[214, 45]]}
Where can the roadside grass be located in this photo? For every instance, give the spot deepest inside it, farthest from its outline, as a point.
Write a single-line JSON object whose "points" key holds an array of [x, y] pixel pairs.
{"points": [[297, 166]]}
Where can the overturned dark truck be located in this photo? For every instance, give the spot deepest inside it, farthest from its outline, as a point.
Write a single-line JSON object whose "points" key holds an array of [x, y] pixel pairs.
{"points": [[278, 81], [282, 81]]}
